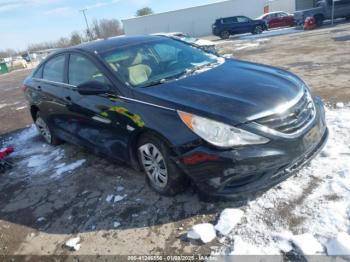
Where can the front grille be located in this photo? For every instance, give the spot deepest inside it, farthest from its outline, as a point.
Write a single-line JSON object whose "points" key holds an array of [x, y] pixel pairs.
{"points": [[293, 119]]}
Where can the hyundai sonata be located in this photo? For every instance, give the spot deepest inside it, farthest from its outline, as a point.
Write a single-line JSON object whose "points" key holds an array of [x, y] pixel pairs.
{"points": [[178, 113]]}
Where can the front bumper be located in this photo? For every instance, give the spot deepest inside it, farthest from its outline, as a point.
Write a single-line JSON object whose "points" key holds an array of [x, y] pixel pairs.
{"points": [[250, 170]]}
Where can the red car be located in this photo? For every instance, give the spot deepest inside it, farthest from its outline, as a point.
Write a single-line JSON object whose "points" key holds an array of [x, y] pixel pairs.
{"points": [[278, 19]]}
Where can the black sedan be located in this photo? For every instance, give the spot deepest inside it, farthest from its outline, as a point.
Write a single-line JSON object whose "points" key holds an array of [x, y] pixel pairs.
{"points": [[178, 113]]}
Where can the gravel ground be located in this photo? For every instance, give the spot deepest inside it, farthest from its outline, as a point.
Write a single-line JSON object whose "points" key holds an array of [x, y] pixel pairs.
{"points": [[54, 194]]}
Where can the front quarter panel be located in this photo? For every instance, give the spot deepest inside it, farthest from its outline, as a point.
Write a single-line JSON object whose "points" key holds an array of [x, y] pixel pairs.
{"points": [[163, 121]]}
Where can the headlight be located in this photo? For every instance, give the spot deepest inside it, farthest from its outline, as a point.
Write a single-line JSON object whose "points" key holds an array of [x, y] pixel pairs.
{"points": [[220, 134]]}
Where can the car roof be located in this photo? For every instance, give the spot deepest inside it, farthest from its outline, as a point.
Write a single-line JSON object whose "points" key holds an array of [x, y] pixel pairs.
{"points": [[232, 17], [100, 46]]}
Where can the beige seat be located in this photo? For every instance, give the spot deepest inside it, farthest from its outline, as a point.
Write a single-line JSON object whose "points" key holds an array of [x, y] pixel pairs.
{"points": [[138, 72]]}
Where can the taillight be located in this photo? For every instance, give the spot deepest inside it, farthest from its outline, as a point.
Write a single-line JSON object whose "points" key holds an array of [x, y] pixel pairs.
{"points": [[24, 88]]}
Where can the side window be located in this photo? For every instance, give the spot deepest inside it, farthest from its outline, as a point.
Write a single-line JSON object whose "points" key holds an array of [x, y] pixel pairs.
{"points": [[242, 19], [229, 20], [54, 69], [82, 70], [282, 14]]}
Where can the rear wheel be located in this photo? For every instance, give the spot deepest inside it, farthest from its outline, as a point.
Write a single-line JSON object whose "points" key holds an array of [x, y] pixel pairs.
{"points": [[225, 35], [257, 30], [45, 130], [162, 174], [319, 20]]}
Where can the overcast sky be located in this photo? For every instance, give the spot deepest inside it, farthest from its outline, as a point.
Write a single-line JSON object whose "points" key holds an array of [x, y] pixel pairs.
{"points": [[23, 22]]}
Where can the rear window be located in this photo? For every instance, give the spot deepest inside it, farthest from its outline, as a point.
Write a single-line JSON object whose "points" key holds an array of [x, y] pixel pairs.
{"points": [[229, 20], [54, 69], [39, 72]]}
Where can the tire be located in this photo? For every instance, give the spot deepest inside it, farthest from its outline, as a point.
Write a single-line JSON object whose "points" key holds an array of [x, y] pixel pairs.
{"points": [[225, 35], [319, 20], [257, 30], [162, 174], [46, 131]]}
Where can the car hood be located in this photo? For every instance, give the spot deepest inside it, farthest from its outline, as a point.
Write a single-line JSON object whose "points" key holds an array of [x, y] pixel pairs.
{"points": [[234, 92]]}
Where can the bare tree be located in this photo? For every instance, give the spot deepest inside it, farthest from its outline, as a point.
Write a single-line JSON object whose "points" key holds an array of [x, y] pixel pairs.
{"points": [[144, 11], [100, 28], [106, 28], [7, 53]]}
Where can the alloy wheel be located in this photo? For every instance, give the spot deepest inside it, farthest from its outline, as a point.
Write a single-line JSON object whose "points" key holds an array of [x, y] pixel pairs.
{"points": [[225, 35], [43, 129], [154, 165], [258, 30]]}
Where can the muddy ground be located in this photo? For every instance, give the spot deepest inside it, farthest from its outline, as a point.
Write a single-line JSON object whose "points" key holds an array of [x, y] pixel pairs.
{"points": [[41, 208]]}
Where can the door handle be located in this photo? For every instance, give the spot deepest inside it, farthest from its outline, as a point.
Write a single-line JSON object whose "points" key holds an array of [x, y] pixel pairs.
{"points": [[39, 88], [68, 98]]}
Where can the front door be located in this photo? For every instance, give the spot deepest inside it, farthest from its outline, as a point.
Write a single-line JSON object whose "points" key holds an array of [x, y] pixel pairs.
{"points": [[244, 24], [97, 120]]}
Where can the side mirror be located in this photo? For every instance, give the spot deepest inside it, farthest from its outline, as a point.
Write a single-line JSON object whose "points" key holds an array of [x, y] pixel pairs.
{"points": [[93, 88]]}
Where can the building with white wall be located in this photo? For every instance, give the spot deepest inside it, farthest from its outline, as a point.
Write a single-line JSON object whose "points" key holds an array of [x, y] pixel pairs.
{"points": [[197, 21]]}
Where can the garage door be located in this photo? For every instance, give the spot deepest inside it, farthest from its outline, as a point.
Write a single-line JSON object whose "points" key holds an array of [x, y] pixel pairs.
{"points": [[304, 4]]}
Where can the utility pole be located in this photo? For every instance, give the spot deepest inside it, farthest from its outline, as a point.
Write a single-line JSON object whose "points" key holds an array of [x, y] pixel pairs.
{"points": [[87, 24], [333, 12]]}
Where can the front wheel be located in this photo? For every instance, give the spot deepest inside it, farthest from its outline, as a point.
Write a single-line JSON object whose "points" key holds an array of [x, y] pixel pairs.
{"points": [[225, 35], [319, 20], [162, 174], [257, 30]]}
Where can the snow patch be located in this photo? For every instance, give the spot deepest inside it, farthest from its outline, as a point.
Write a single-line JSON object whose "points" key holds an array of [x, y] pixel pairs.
{"points": [[339, 246], [339, 105], [229, 218], [21, 108], [205, 232], [120, 188], [69, 168], [109, 198], [73, 243], [119, 198], [116, 224], [244, 248], [308, 244]]}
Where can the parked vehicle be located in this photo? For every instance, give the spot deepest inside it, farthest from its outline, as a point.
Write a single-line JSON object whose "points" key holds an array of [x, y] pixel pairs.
{"points": [[178, 113], [323, 11], [277, 19], [18, 63], [206, 45], [224, 27]]}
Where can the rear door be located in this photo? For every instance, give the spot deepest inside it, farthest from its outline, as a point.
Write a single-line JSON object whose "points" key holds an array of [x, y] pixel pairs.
{"points": [[97, 120], [285, 19], [51, 87]]}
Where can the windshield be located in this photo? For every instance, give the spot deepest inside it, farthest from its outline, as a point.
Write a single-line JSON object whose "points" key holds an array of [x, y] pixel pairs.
{"points": [[157, 61]]}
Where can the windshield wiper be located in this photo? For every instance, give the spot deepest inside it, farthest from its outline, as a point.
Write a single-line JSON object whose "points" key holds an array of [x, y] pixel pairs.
{"points": [[163, 80], [193, 70], [186, 72]]}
